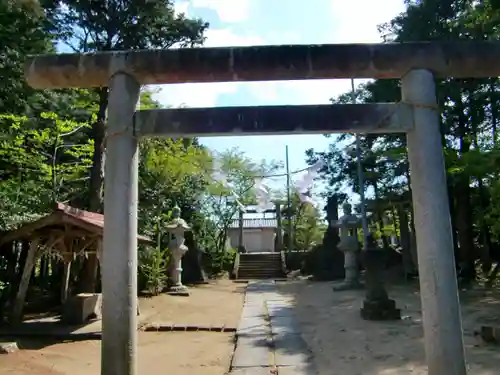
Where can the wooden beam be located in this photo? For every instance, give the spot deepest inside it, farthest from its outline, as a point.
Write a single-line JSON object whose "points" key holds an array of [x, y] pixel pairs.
{"points": [[459, 59], [65, 279], [17, 309], [268, 120]]}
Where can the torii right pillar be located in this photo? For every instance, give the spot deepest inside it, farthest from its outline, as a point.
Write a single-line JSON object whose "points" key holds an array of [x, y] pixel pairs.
{"points": [[438, 281]]}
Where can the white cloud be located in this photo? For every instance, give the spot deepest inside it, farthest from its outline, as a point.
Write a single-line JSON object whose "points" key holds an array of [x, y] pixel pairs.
{"points": [[181, 6], [193, 94], [206, 94], [226, 37], [348, 26], [355, 26], [231, 11]]}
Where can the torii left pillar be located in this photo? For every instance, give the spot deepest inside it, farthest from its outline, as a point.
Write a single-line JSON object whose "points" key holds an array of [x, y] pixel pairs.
{"points": [[119, 265]]}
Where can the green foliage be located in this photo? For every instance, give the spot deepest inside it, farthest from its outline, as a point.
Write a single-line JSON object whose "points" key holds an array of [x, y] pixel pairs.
{"points": [[120, 25], [469, 125], [221, 262], [153, 263], [22, 33], [307, 225], [89, 26]]}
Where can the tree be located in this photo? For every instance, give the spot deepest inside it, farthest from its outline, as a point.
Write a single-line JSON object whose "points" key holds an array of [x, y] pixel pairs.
{"points": [[89, 26], [221, 202], [307, 225], [22, 33], [41, 164], [469, 134]]}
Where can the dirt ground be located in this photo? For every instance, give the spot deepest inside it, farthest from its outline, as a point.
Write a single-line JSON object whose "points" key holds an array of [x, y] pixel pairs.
{"points": [[345, 344], [179, 353], [218, 303]]}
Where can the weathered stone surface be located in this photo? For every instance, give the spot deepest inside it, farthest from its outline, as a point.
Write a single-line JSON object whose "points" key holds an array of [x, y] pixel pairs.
{"points": [[272, 120], [250, 371], [284, 325], [8, 347], [325, 262], [377, 305], [263, 343], [460, 59], [81, 308], [291, 350], [280, 311], [490, 334], [384, 309], [254, 310], [179, 292], [253, 351], [298, 370], [254, 326]]}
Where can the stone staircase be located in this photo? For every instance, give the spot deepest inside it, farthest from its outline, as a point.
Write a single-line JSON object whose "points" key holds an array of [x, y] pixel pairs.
{"points": [[256, 266]]}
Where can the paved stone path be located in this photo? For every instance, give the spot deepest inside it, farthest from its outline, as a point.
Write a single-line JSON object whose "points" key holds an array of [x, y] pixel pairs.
{"points": [[268, 337]]}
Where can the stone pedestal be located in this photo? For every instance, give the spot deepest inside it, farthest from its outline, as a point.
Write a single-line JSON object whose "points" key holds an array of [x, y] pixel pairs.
{"points": [[81, 308], [177, 288], [8, 347], [384, 309], [350, 248], [377, 304]]}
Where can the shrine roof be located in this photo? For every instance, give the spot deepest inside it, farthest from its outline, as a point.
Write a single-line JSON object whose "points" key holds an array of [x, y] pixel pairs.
{"points": [[90, 222]]}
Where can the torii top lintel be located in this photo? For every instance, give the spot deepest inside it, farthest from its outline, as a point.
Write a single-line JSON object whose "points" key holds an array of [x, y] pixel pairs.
{"points": [[460, 59]]}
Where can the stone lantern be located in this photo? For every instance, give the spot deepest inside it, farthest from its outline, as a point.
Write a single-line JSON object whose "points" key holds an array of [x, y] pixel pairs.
{"points": [[349, 245], [176, 229]]}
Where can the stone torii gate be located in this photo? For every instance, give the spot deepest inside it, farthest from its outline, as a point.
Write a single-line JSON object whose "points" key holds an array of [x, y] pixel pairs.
{"points": [[415, 63]]}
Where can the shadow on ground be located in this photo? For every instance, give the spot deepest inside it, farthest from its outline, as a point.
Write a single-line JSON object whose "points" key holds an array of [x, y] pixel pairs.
{"points": [[343, 343]]}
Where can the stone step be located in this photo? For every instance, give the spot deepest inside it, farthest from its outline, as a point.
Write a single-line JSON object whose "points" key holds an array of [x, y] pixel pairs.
{"points": [[260, 257], [252, 265], [255, 271], [261, 266], [260, 262], [259, 276], [255, 274], [265, 273]]}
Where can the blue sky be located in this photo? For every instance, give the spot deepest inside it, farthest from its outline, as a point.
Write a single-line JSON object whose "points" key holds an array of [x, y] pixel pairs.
{"points": [[259, 22]]}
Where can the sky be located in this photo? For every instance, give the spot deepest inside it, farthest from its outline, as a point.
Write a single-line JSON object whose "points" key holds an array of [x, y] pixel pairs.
{"points": [[266, 22]]}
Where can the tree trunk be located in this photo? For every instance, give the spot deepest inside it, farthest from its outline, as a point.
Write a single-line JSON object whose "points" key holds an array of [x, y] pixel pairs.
{"points": [[89, 274], [463, 206]]}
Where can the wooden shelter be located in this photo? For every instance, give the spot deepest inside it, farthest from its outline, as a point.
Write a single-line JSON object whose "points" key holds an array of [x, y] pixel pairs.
{"points": [[66, 233]]}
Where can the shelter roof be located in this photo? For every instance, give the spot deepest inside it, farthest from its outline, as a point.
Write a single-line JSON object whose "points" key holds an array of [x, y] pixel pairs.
{"points": [[63, 215]]}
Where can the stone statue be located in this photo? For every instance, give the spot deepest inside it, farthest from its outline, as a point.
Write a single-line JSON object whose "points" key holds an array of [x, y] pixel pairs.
{"points": [[193, 271], [176, 228], [348, 225], [326, 261]]}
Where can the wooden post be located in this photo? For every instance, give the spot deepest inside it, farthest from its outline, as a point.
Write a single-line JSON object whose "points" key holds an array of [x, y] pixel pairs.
{"points": [[67, 259], [240, 230], [279, 231], [17, 310]]}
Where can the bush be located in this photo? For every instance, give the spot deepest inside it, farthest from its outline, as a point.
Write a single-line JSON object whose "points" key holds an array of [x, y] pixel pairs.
{"points": [[219, 262], [153, 264]]}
